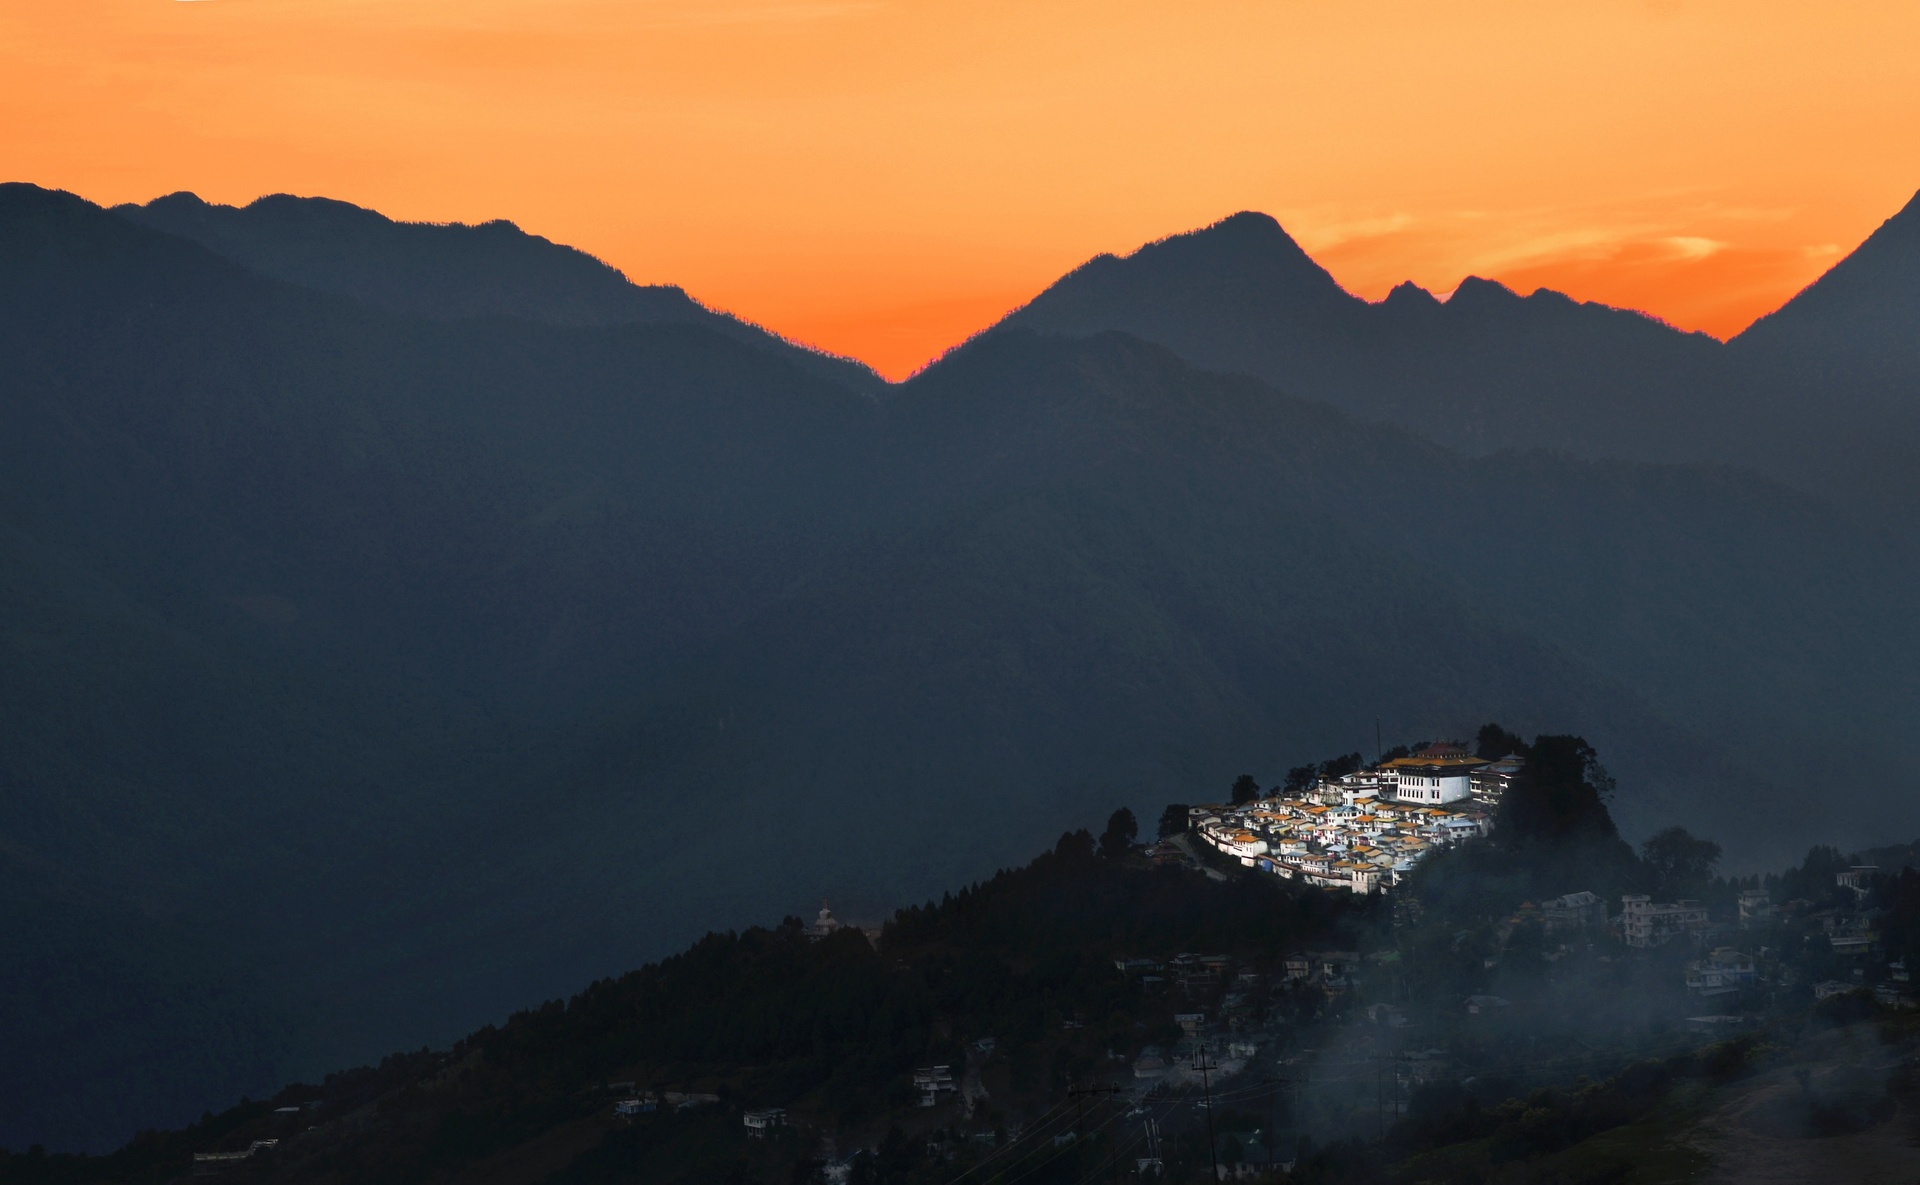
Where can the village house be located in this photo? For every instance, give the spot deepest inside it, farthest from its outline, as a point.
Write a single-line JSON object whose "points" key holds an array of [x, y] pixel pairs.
{"points": [[1850, 936], [1647, 923], [759, 1123], [213, 1162], [1858, 878], [1575, 911], [1150, 1064], [1756, 909], [1725, 970], [933, 1082]]}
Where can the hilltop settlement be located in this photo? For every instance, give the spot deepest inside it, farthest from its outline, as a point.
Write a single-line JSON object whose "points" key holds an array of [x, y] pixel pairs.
{"points": [[1363, 829]]}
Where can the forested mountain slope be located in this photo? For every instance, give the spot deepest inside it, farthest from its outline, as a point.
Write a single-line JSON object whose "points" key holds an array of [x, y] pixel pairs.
{"points": [[288, 573]]}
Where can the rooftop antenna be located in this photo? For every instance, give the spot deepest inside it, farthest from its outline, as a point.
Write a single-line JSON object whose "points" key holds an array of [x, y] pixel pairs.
{"points": [[1378, 751]]}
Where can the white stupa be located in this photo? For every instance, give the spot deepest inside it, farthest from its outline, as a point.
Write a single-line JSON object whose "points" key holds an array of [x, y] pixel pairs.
{"points": [[823, 925]]}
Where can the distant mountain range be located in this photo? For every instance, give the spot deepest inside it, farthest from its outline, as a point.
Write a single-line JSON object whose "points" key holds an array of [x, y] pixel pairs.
{"points": [[400, 624], [1818, 394]]}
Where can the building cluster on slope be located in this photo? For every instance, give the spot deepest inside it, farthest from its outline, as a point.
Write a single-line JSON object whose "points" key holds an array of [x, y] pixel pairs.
{"points": [[1364, 830]]}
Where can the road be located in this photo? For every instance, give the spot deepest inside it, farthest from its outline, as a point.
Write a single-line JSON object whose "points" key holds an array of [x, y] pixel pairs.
{"points": [[1185, 844]]}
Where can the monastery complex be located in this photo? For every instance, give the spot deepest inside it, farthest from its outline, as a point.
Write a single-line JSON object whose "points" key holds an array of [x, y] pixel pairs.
{"points": [[1364, 830]]}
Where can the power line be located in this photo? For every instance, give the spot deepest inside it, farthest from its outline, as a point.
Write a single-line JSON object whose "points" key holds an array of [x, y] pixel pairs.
{"points": [[1032, 1128], [1074, 1147]]}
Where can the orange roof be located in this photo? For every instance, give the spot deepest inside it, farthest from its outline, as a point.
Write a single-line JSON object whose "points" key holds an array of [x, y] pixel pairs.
{"points": [[1447, 761]]}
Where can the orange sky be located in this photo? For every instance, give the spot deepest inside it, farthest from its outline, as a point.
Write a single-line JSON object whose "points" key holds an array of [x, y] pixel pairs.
{"points": [[884, 177]]}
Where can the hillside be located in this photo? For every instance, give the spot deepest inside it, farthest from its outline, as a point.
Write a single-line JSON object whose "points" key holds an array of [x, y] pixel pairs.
{"points": [[830, 1028], [388, 672], [1048, 1024]]}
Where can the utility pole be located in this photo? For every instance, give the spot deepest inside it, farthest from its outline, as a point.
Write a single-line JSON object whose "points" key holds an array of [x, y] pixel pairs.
{"points": [[1306, 1068], [1152, 1128], [1078, 1095], [1273, 1122], [1206, 1086], [1379, 1098], [1273, 1095], [1079, 1131]]}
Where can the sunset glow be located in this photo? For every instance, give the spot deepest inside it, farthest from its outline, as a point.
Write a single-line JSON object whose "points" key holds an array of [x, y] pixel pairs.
{"points": [[883, 178]]}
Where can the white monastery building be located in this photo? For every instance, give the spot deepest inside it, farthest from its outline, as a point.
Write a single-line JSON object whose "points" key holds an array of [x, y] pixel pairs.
{"points": [[1436, 775]]}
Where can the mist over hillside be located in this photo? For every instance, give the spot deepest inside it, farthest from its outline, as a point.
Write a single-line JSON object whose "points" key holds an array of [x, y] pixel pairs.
{"points": [[406, 624]]}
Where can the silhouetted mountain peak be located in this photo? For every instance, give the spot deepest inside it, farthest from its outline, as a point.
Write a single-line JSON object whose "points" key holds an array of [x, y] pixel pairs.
{"points": [[1860, 322], [1898, 233], [1247, 248], [58, 237], [1407, 294], [1475, 293], [1244, 266], [17, 197], [29, 210]]}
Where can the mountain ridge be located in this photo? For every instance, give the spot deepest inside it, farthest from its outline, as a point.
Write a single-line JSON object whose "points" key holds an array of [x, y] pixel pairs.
{"points": [[451, 270], [1475, 371]]}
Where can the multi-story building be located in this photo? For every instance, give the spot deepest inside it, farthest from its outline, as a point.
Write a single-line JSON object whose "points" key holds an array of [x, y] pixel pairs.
{"points": [[1575, 911], [1490, 783], [1859, 878], [1647, 923]]}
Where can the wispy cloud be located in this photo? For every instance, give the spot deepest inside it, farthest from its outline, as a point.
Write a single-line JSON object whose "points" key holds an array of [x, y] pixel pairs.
{"points": [[681, 13], [746, 14], [1323, 236], [1693, 246]]}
